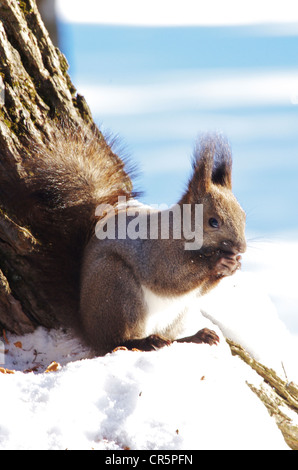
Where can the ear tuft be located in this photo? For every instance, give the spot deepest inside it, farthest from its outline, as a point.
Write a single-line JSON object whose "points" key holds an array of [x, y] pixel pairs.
{"points": [[222, 165], [213, 161]]}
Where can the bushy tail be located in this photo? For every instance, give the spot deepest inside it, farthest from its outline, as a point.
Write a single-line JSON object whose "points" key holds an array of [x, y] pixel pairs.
{"points": [[66, 179], [69, 176]]}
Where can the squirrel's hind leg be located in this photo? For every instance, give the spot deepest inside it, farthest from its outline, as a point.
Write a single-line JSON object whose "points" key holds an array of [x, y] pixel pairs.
{"points": [[112, 305]]}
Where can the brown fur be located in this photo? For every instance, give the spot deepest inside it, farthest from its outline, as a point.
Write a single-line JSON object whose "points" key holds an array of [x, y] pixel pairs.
{"points": [[115, 272]]}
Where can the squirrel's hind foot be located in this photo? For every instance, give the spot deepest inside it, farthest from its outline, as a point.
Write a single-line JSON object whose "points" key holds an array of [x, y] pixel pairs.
{"points": [[205, 336], [155, 342], [151, 343]]}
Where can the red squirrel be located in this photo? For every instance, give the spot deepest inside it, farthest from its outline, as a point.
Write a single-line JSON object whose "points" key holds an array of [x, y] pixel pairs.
{"points": [[114, 284]]}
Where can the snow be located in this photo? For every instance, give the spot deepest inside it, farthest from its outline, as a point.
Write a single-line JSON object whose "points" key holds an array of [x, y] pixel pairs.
{"points": [[182, 397]]}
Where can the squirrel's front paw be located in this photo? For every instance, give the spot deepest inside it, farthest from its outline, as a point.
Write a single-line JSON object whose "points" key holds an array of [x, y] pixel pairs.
{"points": [[228, 265]]}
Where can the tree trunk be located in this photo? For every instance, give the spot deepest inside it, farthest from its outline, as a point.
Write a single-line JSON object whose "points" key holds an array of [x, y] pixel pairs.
{"points": [[47, 9], [38, 93]]}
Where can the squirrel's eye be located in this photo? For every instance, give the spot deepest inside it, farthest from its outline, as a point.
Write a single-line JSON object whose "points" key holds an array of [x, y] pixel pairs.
{"points": [[213, 223]]}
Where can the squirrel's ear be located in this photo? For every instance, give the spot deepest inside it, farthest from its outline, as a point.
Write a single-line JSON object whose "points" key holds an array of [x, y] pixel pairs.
{"points": [[212, 164], [202, 166], [222, 166]]}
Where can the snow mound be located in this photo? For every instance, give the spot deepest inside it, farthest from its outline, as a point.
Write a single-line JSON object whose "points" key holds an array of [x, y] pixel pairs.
{"points": [[182, 397]]}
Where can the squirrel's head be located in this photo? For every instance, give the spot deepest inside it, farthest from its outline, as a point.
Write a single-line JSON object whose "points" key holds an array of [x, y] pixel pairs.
{"points": [[224, 219]]}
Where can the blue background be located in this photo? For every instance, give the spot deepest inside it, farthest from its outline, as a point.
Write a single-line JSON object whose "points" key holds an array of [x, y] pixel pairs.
{"points": [[161, 141]]}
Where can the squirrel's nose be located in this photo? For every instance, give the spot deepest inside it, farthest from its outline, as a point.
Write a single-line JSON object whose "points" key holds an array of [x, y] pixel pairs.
{"points": [[234, 247], [242, 247]]}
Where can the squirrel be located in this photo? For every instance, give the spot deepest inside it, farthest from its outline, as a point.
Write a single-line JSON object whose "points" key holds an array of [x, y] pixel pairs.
{"points": [[110, 286]]}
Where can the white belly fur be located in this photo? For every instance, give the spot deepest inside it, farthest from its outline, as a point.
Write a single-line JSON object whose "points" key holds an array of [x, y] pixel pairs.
{"points": [[166, 312]]}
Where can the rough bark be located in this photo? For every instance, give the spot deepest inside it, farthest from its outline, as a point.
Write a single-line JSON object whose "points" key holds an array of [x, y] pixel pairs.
{"points": [[47, 9], [38, 95]]}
